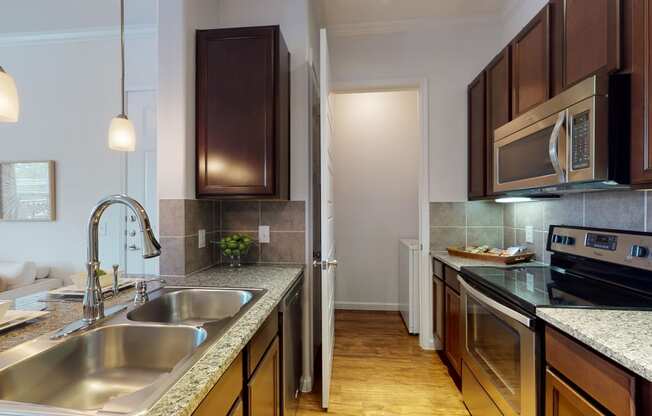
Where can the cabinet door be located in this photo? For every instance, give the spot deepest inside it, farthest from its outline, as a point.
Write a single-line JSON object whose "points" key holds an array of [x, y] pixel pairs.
{"points": [[453, 346], [225, 393], [591, 38], [263, 388], [563, 400], [477, 137], [531, 64], [242, 128], [498, 74], [641, 148]]}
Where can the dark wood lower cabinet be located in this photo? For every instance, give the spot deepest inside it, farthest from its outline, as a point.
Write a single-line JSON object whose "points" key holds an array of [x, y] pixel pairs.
{"points": [[263, 388], [251, 384], [224, 395], [238, 409], [564, 400], [452, 343]]}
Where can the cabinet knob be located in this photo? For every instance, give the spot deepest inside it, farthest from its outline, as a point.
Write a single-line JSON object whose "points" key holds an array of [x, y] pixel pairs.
{"points": [[639, 251]]}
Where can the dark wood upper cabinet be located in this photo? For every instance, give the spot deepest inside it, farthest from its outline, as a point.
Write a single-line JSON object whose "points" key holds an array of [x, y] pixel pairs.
{"points": [[243, 113], [498, 106], [477, 137], [592, 38], [641, 77], [531, 64]]}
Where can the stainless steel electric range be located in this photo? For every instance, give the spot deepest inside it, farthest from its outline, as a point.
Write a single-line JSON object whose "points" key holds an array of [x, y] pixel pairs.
{"points": [[502, 337]]}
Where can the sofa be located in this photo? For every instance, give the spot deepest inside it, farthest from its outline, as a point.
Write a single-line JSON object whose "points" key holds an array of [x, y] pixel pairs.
{"points": [[19, 279]]}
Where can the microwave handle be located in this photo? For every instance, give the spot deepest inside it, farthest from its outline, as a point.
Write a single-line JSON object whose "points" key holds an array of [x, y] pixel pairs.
{"points": [[553, 147]]}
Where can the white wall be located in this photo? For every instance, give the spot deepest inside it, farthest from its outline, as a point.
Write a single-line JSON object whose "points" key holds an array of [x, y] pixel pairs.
{"points": [[376, 145], [449, 54], [69, 91], [178, 21]]}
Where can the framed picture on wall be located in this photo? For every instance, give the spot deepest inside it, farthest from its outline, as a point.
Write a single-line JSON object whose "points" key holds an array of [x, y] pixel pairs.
{"points": [[27, 191]]}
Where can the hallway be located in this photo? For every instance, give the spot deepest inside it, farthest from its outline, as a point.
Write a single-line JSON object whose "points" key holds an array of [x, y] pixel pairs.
{"points": [[379, 369]]}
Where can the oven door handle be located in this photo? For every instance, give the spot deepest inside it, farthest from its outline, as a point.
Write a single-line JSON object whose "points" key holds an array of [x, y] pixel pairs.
{"points": [[553, 147], [523, 319]]}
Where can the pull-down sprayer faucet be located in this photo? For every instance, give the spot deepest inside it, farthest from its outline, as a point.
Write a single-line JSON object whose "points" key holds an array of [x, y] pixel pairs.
{"points": [[93, 303]]}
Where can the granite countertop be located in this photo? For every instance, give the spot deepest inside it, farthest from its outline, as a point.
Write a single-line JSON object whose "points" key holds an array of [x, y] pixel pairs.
{"points": [[624, 336], [186, 394], [61, 313], [458, 262]]}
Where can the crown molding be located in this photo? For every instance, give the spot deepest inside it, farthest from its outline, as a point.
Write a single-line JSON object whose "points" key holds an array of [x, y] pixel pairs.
{"points": [[81, 35], [404, 26]]}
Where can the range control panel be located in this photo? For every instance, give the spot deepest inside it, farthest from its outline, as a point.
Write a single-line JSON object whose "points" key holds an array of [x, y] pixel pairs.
{"points": [[628, 248]]}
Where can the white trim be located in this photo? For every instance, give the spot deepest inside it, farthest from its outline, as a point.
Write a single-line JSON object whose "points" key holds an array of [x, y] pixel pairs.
{"points": [[366, 306], [426, 337], [413, 25], [80, 35]]}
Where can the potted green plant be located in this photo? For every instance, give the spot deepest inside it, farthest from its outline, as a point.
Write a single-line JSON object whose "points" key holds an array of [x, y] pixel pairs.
{"points": [[236, 246]]}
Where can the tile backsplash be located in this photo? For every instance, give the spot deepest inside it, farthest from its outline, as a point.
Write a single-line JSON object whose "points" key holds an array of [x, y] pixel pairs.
{"points": [[181, 220], [465, 222]]}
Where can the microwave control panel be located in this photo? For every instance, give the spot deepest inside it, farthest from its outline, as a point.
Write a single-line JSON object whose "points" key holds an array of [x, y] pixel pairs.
{"points": [[581, 141]]}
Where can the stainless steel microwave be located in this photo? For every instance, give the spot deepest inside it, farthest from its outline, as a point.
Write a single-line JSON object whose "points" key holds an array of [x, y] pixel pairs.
{"points": [[578, 140]]}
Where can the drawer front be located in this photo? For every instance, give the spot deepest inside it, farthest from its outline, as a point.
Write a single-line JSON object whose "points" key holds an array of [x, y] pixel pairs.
{"points": [[475, 397], [450, 276], [438, 269], [563, 400], [225, 393], [259, 343], [605, 382]]}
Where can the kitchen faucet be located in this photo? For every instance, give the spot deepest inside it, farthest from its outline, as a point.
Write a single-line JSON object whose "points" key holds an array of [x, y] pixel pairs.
{"points": [[93, 303]]}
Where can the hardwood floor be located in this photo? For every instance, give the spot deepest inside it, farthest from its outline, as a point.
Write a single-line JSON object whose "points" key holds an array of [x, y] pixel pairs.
{"points": [[379, 369]]}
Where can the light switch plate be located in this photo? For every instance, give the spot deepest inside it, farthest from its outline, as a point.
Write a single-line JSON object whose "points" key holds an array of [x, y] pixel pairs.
{"points": [[529, 234], [202, 238], [263, 234]]}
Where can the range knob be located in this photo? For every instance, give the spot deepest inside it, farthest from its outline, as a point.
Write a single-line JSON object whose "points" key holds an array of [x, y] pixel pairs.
{"points": [[557, 239], [569, 241], [639, 251]]}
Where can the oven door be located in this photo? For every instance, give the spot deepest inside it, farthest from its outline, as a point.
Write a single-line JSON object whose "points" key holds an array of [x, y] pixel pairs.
{"points": [[533, 157], [499, 349]]}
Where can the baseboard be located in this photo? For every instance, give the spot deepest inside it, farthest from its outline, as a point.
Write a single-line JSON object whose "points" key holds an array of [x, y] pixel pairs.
{"points": [[367, 306]]}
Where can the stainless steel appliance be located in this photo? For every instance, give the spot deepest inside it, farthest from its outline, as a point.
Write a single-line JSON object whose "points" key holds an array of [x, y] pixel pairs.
{"points": [[291, 311], [577, 140], [503, 369]]}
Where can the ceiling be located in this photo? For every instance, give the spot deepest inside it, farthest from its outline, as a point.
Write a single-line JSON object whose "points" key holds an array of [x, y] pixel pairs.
{"points": [[350, 12], [65, 15]]}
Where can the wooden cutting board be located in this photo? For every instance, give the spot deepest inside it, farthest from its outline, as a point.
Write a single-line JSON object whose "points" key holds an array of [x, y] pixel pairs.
{"points": [[518, 258]]}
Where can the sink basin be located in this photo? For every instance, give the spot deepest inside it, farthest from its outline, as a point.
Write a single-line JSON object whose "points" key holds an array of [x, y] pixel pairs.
{"points": [[193, 306], [87, 371]]}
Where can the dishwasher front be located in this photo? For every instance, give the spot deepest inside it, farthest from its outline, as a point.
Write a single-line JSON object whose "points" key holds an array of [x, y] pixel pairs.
{"points": [[291, 312]]}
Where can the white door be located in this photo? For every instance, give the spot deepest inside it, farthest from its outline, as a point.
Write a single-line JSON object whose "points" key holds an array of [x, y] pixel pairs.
{"points": [[328, 252], [141, 179]]}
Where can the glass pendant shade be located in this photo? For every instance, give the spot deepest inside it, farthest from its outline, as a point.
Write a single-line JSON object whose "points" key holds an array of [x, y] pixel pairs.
{"points": [[122, 134], [9, 104]]}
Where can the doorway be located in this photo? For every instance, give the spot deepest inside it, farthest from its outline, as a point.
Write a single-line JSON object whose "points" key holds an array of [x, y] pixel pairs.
{"points": [[377, 144]]}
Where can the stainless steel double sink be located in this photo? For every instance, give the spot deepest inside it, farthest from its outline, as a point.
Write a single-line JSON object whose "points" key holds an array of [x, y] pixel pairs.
{"points": [[124, 363]]}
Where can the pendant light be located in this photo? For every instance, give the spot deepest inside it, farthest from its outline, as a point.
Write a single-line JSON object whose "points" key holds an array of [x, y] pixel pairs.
{"points": [[122, 134], [9, 104]]}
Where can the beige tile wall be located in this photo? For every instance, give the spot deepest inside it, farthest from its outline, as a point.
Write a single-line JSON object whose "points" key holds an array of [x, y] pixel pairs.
{"points": [[181, 220], [465, 223], [472, 223], [625, 210]]}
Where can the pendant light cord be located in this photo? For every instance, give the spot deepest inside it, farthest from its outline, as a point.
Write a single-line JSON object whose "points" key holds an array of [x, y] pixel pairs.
{"points": [[122, 52]]}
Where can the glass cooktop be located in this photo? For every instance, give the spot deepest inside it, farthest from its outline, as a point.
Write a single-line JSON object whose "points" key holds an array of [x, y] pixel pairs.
{"points": [[541, 286]]}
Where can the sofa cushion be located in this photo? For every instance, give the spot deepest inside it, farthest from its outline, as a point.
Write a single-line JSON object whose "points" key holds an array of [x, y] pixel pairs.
{"points": [[16, 275]]}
